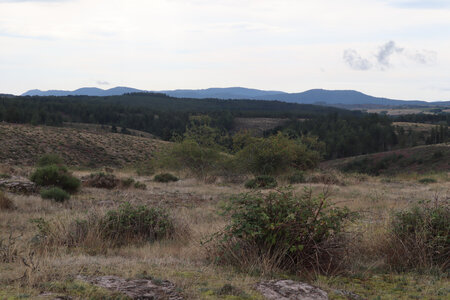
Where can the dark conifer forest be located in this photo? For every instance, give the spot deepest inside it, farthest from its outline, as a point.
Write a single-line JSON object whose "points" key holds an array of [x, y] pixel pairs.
{"points": [[344, 132]]}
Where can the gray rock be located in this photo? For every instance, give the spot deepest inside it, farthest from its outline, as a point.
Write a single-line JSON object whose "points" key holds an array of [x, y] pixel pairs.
{"points": [[18, 185], [290, 290], [136, 288]]}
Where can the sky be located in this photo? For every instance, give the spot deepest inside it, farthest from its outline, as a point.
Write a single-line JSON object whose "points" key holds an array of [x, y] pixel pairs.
{"points": [[388, 48]]}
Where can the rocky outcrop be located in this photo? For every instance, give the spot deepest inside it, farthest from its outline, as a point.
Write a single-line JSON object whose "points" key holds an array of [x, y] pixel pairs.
{"points": [[290, 290], [136, 288], [18, 185]]}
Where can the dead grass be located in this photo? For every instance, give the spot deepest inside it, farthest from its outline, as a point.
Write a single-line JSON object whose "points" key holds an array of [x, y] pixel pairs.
{"points": [[5, 202], [24, 144], [185, 261]]}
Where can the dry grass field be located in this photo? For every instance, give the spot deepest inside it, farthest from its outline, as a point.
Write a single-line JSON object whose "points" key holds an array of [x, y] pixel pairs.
{"points": [[23, 144], [183, 260], [420, 127], [39, 261]]}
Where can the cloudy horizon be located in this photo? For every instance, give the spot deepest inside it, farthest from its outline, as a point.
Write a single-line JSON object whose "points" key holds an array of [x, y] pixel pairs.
{"points": [[386, 48]]}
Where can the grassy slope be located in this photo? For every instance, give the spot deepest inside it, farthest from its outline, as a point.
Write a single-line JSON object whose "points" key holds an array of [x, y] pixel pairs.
{"points": [[421, 159], [22, 145]]}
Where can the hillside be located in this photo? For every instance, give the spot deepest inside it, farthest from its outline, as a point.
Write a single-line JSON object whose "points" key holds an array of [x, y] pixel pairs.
{"points": [[421, 159], [23, 144]]}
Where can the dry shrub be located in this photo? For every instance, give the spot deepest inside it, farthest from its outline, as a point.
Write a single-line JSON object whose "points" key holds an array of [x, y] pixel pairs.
{"points": [[102, 231], [328, 178], [5, 202], [101, 181], [418, 238], [9, 249], [282, 231]]}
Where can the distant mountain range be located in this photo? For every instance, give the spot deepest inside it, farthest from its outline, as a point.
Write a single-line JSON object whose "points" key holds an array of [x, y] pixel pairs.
{"points": [[316, 96]]}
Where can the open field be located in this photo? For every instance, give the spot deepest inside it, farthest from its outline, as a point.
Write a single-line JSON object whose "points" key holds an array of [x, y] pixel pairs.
{"points": [[405, 111], [184, 261], [23, 144], [419, 127]]}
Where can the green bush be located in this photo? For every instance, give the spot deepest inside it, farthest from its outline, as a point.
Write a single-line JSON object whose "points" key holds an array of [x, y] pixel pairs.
{"points": [[420, 237], [50, 159], [165, 177], [261, 182], [54, 175], [287, 231], [136, 223], [102, 181], [55, 193], [276, 154], [189, 155], [427, 180], [297, 177]]}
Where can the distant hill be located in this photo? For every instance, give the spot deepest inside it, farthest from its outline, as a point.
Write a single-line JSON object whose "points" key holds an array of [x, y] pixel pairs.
{"points": [[86, 91], [223, 93], [343, 98]]}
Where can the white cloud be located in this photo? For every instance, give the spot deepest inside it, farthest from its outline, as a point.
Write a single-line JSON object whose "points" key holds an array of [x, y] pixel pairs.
{"points": [[385, 53]]}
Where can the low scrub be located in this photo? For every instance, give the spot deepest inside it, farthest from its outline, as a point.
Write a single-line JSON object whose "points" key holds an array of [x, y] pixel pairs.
{"points": [[50, 159], [282, 231], [127, 182], [136, 223], [419, 237], [146, 168], [165, 177], [5, 202], [372, 166], [99, 232], [328, 178], [55, 193], [101, 181], [55, 175], [261, 182], [140, 185]]}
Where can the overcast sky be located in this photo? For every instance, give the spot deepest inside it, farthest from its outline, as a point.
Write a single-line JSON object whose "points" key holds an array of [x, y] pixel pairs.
{"points": [[391, 48]]}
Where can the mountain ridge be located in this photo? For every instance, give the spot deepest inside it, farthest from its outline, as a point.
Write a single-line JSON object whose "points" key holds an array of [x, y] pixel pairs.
{"points": [[313, 96]]}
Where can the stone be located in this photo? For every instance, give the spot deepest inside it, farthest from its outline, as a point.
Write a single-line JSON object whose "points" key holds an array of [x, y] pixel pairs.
{"points": [[18, 185], [290, 290]]}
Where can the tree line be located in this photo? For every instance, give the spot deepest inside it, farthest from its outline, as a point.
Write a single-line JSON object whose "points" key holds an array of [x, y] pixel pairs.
{"points": [[343, 132]]}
